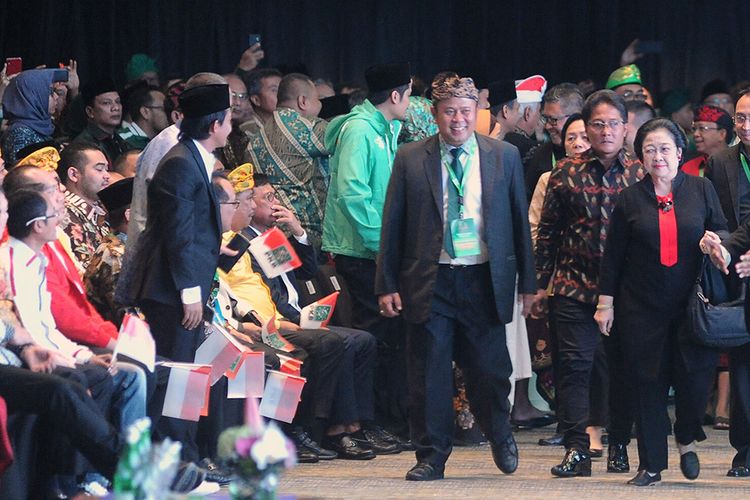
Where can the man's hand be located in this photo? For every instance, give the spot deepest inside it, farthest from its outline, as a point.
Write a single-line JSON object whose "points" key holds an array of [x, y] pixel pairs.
{"points": [[251, 57], [710, 244], [39, 359], [743, 266], [604, 318], [225, 250], [285, 216], [527, 300], [193, 315], [253, 331], [629, 55], [288, 325], [104, 360], [390, 304]]}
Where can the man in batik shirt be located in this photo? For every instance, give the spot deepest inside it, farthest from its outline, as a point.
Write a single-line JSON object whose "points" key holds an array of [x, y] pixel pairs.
{"points": [[290, 151], [104, 267], [83, 168]]}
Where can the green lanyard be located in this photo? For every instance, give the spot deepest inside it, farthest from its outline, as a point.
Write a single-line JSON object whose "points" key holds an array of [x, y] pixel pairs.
{"points": [[459, 186], [743, 160]]}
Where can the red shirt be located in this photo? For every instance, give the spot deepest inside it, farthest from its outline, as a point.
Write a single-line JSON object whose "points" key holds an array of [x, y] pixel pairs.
{"points": [[74, 315], [695, 166]]}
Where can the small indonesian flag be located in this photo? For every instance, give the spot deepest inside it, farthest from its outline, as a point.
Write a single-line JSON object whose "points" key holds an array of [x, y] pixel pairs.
{"points": [[319, 313], [274, 254], [271, 337], [248, 383], [221, 351], [281, 396], [187, 391], [135, 341], [289, 365]]}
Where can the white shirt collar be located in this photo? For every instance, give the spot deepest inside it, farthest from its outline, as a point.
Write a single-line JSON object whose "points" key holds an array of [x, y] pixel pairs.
{"points": [[208, 158]]}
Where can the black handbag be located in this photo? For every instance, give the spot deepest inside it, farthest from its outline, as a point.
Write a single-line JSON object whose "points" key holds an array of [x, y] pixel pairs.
{"points": [[712, 321]]}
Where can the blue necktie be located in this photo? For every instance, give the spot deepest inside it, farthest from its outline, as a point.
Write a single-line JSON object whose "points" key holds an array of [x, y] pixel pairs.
{"points": [[453, 206]]}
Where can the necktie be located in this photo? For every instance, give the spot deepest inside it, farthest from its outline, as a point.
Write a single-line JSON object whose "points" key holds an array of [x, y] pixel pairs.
{"points": [[453, 205]]}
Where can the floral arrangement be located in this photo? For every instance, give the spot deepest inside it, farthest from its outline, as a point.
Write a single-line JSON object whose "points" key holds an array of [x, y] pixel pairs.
{"points": [[256, 453]]}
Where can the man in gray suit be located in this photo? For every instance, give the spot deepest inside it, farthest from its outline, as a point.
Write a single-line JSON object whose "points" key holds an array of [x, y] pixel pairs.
{"points": [[455, 235]]}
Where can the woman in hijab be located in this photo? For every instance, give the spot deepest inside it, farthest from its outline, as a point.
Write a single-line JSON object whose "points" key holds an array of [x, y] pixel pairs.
{"points": [[28, 103]]}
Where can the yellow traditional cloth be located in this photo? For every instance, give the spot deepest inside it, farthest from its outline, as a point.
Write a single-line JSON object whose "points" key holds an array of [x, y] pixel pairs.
{"points": [[45, 158], [242, 178], [624, 75]]}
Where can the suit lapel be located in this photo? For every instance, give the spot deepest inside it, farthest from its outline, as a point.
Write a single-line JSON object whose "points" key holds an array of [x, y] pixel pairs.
{"points": [[434, 172], [204, 173], [488, 170]]}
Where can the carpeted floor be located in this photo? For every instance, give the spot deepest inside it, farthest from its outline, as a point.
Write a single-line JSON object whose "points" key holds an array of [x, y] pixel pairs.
{"points": [[470, 473]]}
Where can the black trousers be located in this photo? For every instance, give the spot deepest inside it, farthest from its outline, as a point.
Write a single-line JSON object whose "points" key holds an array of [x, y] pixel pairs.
{"points": [[620, 395], [354, 398], [390, 368], [580, 350], [650, 397], [67, 410], [463, 326], [178, 344], [739, 407]]}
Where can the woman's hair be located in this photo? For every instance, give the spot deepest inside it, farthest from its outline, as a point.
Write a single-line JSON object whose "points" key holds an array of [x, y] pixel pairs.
{"points": [[680, 139], [572, 118]]}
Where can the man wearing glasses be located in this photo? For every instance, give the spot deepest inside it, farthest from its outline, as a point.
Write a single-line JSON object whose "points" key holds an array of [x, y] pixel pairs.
{"points": [[729, 170], [581, 195], [558, 104], [713, 132]]}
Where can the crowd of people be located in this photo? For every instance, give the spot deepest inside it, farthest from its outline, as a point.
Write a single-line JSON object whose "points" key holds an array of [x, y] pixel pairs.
{"points": [[481, 231]]}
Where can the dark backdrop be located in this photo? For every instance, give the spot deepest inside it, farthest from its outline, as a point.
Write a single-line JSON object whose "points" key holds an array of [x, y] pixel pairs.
{"points": [[563, 40]]}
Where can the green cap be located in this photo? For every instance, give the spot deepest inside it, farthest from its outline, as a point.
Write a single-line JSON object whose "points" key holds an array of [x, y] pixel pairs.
{"points": [[624, 75]]}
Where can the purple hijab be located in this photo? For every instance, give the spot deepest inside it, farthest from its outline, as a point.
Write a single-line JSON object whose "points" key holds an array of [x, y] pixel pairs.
{"points": [[26, 101]]}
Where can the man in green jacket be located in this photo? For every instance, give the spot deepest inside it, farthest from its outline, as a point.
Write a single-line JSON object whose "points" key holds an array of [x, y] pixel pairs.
{"points": [[363, 144]]}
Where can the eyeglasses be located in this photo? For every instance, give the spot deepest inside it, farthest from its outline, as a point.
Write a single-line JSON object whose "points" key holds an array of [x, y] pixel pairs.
{"points": [[716, 101], [554, 120], [239, 95], [42, 218], [598, 125], [703, 128], [236, 203], [741, 119], [630, 95], [270, 196]]}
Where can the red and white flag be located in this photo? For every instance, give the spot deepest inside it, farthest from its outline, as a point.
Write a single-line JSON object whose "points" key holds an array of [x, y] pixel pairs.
{"points": [[187, 391], [248, 383], [135, 341], [281, 396], [271, 336], [289, 365], [319, 313], [220, 350], [274, 254]]}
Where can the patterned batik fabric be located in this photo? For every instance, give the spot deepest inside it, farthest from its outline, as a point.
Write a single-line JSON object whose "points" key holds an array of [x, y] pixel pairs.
{"points": [[581, 195], [101, 278], [86, 226], [418, 123], [290, 150]]}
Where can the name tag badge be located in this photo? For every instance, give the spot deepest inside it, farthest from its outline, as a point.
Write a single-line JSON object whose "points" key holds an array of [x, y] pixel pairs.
{"points": [[465, 238]]}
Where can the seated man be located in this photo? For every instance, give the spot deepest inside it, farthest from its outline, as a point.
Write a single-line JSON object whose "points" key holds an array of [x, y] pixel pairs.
{"points": [[33, 301], [84, 172], [104, 114], [339, 406]]}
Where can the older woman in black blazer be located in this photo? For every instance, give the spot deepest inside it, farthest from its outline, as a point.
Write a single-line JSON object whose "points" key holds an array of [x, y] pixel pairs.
{"points": [[650, 262]]}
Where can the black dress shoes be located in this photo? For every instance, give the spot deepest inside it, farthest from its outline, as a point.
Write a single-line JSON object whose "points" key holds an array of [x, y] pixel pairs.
{"points": [[424, 472], [534, 423], [214, 473], [575, 463], [596, 452], [739, 471], [505, 455], [689, 465], [347, 448], [556, 440], [372, 440], [303, 441], [643, 478], [617, 459]]}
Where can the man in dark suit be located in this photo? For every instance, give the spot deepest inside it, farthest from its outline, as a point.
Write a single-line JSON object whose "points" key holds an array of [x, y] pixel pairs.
{"points": [[179, 249], [455, 236], [729, 170]]}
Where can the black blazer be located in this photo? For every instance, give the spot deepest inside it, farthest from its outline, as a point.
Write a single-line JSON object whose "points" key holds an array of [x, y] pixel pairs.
{"points": [[412, 233], [724, 169], [180, 245], [737, 244]]}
